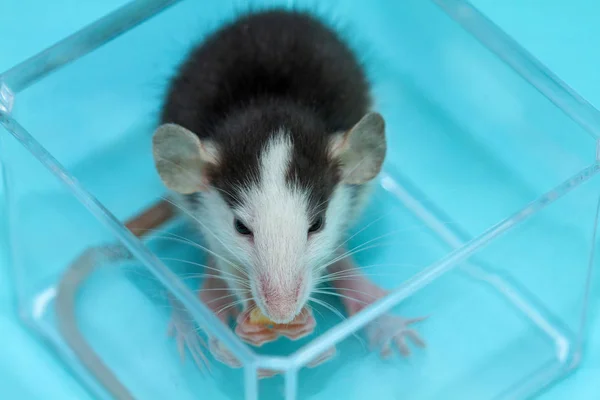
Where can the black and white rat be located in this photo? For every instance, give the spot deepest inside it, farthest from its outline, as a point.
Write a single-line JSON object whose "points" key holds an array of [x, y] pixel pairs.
{"points": [[268, 141]]}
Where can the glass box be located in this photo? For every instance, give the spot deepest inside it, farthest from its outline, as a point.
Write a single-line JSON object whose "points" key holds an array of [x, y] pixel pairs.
{"points": [[491, 174]]}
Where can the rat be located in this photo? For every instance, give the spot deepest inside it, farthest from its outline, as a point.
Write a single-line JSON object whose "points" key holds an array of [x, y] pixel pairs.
{"points": [[269, 142]]}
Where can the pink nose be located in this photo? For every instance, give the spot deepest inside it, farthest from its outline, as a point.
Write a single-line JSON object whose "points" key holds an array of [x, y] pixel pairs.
{"points": [[281, 301]]}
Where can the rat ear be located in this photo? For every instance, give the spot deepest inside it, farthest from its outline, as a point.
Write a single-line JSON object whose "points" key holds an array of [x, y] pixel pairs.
{"points": [[361, 150], [180, 158]]}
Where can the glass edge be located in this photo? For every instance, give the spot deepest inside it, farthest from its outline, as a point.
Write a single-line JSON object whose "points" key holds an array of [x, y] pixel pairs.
{"points": [[536, 382], [169, 279], [6, 232], [291, 384], [587, 295], [7, 97], [417, 282], [83, 41], [524, 63], [251, 382]]}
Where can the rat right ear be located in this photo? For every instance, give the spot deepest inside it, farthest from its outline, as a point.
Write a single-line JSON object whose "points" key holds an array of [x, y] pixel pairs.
{"points": [[180, 158], [361, 150]]}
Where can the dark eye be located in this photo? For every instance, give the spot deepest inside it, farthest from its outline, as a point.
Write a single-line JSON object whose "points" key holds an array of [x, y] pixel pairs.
{"points": [[241, 228], [316, 225]]}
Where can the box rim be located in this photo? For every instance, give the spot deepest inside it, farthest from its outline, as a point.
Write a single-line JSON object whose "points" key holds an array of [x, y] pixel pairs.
{"points": [[334, 335], [467, 16], [525, 64]]}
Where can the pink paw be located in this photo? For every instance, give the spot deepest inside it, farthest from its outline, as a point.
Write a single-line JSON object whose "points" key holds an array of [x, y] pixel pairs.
{"points": [[221, 353], [257, 335], [188, 338], [303, 325], [391, 331], [325, 356], [183, 329]]}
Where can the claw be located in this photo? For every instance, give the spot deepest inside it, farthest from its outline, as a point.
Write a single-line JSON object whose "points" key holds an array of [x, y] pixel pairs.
{"points": [[303, 325], [187, 336], [386, 332], [256, 335], [267, 373], [325, 356], [222, 354], [194, 344], [182, 328], [392, 330]]}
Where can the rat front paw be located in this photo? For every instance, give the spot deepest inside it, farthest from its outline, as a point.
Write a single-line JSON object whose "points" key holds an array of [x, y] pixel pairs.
{"points": [[258, 334], [391, 331], [253, 333], [303, 325]]}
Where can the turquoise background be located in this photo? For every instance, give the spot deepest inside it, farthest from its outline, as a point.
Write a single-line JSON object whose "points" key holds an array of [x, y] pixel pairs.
{"points": [[562, 37]]}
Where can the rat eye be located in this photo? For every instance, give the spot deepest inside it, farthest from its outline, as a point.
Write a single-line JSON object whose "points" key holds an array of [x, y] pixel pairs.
{"points": [[316, 225], [241, 228]]}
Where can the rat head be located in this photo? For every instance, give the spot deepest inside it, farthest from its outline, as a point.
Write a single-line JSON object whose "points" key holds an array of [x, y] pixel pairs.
{"points": [[274, 200]]}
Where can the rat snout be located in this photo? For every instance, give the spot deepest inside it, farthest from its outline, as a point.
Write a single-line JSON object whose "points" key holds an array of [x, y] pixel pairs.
{"points": [[281, 301]]}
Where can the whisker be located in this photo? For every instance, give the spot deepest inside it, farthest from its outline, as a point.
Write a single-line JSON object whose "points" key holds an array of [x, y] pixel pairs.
{"points": [[361, 230], [349, 290], [233, 304], [252, 308], [200, 265], [200, 222], [178, 238], [320, 313], [205, 276], [359, 268], [328, 307], [220, 298], [354, 277], [351, 253], [338, 314], [235, 198], [199, 246], [397, 231], [224, 290], [358, 273], [160, 231], [342, 296]]}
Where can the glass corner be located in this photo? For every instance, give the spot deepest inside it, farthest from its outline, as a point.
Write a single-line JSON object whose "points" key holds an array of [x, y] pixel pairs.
{"points": [[7, 97]]}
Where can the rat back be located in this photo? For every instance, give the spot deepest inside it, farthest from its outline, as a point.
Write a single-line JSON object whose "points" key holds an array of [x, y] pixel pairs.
{"points": [[274, 58]]}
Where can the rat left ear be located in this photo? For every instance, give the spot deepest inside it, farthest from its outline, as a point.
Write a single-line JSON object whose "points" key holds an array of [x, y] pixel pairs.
{"points": [[361, 150], [180, 158]]}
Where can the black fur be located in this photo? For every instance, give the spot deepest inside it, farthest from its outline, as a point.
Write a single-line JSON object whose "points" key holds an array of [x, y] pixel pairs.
{"points": [[263, 72]]}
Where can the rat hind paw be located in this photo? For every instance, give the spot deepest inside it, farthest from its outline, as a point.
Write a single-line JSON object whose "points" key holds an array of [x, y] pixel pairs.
{"points": [[221, 353], [187, 338], [392, 331], [325, 356]]}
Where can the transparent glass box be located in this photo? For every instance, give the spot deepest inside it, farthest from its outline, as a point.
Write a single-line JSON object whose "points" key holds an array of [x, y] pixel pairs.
{"points": [[491, 177]]}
